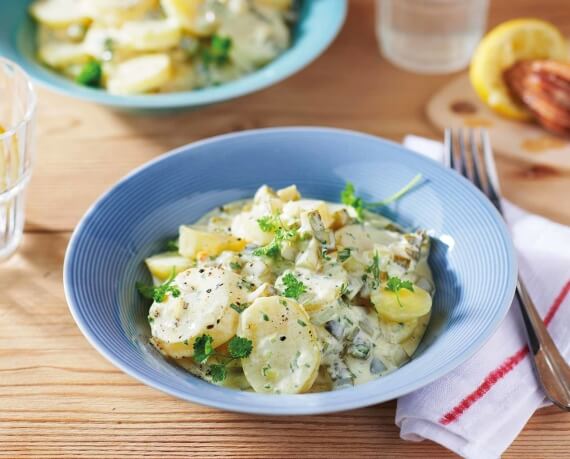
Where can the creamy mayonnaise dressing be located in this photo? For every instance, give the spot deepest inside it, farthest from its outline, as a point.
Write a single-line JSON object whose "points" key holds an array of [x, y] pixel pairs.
{"points": [[320, 308]]}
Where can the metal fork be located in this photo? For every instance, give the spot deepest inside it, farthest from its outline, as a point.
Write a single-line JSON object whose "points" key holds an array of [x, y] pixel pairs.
{"points": [[473, 158]]}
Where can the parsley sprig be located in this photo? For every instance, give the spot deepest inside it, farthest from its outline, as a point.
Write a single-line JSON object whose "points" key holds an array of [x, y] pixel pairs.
{"points": [[273, 224], [348, 197], [294, 288], [238, 348], [395, 284], [159, 293]]}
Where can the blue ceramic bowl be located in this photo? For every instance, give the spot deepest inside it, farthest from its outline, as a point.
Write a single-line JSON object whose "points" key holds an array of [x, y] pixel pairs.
{"points": [[319, 23], [472, 259]]}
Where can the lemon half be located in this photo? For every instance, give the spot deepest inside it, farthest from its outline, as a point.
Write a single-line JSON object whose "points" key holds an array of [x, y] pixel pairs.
{"points": [[506, 44]]}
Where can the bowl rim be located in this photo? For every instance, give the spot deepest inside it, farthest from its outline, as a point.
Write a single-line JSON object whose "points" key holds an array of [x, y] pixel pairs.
{"points": [[340, 402], [247, 84]]}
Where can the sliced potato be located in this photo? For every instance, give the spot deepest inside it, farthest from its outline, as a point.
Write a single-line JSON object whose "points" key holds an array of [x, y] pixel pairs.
{"points": [[203, 307], [278, 4], [117, 12], [192, 242], [162, 264], [140, 74], [59, 13], [411, 344], [290, 193], [321, 288], [403, 306], [286, 353], [190, 15], [61, 54], [150, 35], [257, 37], [245, 226], [310, 258], [396, 332]]}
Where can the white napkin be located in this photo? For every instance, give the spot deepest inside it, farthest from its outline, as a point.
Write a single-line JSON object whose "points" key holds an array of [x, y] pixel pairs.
{"points": [[478, 409]]}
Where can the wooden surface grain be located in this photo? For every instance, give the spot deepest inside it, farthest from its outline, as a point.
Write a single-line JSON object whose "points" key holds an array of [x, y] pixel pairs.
{"points": [[60, 398]]}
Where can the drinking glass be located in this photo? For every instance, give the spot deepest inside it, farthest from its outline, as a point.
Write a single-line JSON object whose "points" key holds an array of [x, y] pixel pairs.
{"points": [[17, 114], [430, 36]]}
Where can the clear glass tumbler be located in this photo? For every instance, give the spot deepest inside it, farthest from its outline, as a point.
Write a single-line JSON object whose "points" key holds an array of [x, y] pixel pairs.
{"points": [[17, 115], [430, 36]]}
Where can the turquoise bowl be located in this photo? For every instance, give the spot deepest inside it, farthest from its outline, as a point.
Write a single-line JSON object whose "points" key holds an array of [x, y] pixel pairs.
{"points": [[472, 259], [319, 23]]}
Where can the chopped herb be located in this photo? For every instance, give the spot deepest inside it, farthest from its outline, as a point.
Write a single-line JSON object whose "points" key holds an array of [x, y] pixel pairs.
{"points": [[235, 266], [271, 250], [159, 293], [239, 308], [218, 51], [269, 223], [90, 74], [238, 348], [344, 254], [265, 317], [395, 284], [171, 245], [265, 369], [301, 323], [218, 372], [150, 319], [344, 289], [374, 270], [293, 288], [324, 254], [348, 197], [203, 348], [272, 224]]}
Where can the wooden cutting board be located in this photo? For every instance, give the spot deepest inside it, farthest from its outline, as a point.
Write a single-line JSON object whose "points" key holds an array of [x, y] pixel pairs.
{"points": [[457, 105]]}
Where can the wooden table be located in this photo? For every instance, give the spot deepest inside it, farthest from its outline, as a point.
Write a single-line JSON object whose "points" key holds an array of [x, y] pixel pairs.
{"points": [[59, 397]]}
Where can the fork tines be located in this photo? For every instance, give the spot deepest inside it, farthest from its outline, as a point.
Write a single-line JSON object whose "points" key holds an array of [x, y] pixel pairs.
{"points": [[469, 152]]}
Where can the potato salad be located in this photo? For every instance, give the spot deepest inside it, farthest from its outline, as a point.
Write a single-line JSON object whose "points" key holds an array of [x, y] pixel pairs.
{"points": [[151, 46], [282, 295]]}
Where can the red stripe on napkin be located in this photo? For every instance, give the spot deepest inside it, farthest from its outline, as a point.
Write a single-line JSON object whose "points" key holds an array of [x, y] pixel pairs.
{"points": [[502, 370]]}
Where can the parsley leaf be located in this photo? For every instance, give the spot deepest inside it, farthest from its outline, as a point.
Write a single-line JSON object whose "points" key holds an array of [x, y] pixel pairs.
{"points": [[294, 288], [218, 372], [90, 74], [273, 224], [239, 348], [159, 293], [271, 250], [203, 348], [374, 270], [395, 284], [269, 223], [344, 254], [348, 197]]}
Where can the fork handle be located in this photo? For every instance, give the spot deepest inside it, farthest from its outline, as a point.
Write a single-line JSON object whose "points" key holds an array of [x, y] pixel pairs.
{"points": [[550, 366]]}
